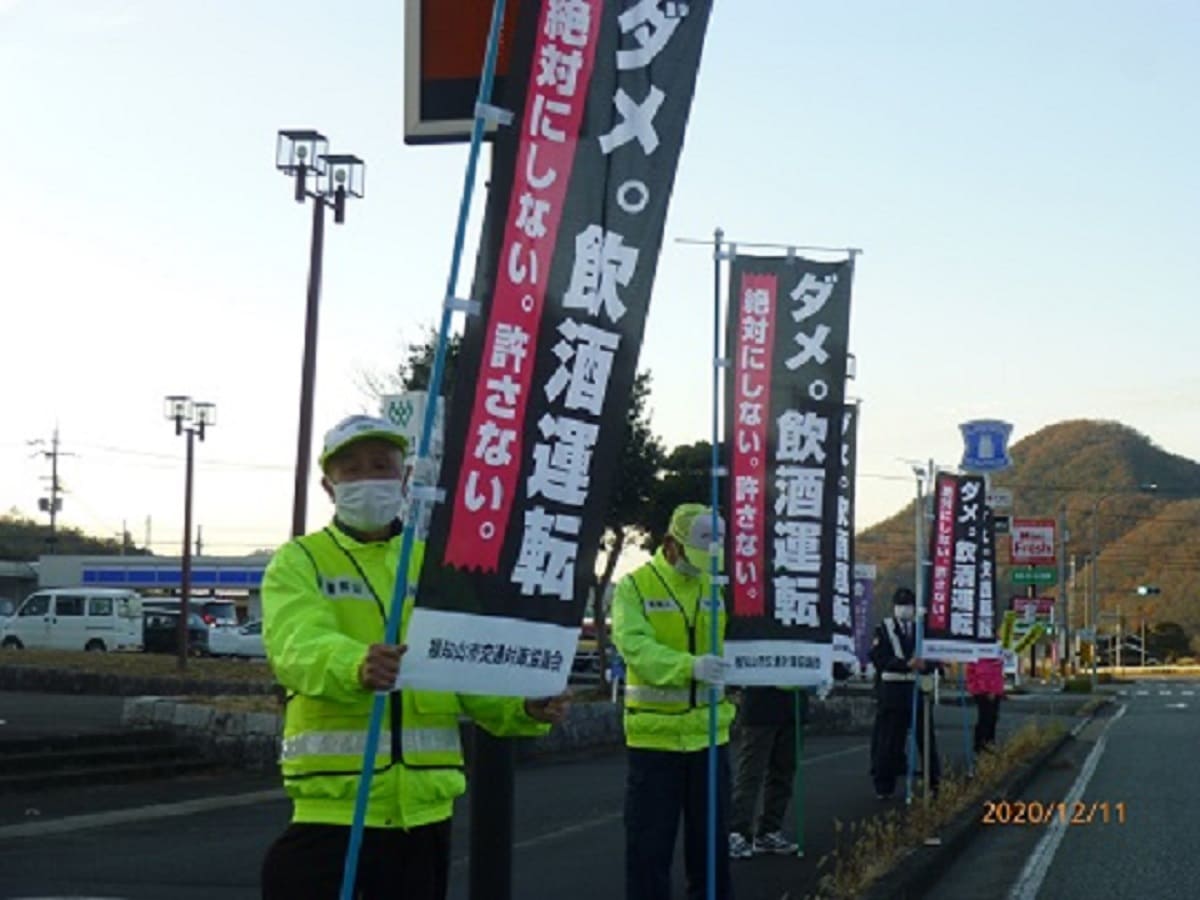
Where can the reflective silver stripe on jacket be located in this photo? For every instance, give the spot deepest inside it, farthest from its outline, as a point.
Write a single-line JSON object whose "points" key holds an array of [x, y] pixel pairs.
{"points": [[899, 676], [889, 625], [430, 740], [354, 743], [646, 693]]}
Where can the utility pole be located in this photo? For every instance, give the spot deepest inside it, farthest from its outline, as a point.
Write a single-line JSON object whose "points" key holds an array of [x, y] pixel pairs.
{"points": [[53, 503], [199, 540], [1120, 635], [148, 534], [1063, 603]]}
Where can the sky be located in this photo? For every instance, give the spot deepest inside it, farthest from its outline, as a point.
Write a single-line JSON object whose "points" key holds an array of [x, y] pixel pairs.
{"points": [[1021, 177]]}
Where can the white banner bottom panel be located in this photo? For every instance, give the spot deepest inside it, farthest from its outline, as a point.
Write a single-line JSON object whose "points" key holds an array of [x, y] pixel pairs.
{"points": [[950, 650], [843, 650], [779, 663], [477, 654], [989, 651]]}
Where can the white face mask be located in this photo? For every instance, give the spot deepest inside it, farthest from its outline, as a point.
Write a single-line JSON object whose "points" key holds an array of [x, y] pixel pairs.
{"points": [[906, 613], [368, 505]]}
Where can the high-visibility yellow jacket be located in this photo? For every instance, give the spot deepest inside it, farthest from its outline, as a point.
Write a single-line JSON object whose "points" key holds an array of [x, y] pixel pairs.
{"points": [[661, 622], [325, 599]]}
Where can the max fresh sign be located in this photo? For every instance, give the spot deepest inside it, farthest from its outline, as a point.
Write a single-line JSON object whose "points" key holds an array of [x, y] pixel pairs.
{"points": [[1032, 542]]}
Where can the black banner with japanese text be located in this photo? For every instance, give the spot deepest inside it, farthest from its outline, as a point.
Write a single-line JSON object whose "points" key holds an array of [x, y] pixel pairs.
{"points": [[955, 542], [787, 336], [985, 623], [600, 91], [843, 549]]}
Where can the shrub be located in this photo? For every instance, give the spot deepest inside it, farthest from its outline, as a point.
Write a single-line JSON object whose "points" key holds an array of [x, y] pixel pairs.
{"points": [[867, 850]]}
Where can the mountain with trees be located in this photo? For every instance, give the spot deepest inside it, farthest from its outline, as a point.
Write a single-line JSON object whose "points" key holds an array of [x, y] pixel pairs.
{"points": [[1137, 503], [23, 540]]}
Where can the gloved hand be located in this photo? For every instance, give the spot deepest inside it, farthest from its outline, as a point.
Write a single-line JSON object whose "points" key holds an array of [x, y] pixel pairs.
{"points": [[709, 668]]}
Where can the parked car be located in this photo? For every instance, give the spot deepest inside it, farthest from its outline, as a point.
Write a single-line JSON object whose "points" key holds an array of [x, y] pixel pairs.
{"points": [[245, 641], [212, 611], [161, 633], [96, 619]]}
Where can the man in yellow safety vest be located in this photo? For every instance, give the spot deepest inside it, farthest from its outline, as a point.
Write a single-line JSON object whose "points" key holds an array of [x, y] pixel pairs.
{"points": [[326, 597], [662, 625]]}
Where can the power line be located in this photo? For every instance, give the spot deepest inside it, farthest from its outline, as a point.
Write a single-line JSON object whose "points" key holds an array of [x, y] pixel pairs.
{"points": [[149, 454]]}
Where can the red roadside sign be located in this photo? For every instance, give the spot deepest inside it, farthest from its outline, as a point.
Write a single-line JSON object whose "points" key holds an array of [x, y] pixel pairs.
{"points": [[444, 45]]}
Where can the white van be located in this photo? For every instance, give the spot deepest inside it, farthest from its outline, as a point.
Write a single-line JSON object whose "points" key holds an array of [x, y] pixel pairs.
{"points": [[76, 619]]}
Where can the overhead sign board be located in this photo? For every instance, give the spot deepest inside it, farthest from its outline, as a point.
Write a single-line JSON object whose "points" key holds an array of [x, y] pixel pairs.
{"points": [[985, 445], [1040, 576], [444, 44], [1033, 609], [1032, 542], [1000, 498]]}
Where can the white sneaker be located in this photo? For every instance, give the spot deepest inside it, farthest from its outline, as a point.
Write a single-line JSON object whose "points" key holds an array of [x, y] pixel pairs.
{"points": [[774, 842], [739, 847]]}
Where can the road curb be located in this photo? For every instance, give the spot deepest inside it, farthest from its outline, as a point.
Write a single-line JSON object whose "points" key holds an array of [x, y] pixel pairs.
{"points": [[251, 740], [917, 872], [49, 680]]}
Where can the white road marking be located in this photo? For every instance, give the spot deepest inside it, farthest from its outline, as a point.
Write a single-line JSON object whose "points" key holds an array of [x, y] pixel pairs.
{"points": [[1176, 706], [1164, 693], [1143, 693], [1188, 693], [139, 814], [1034, 873]]}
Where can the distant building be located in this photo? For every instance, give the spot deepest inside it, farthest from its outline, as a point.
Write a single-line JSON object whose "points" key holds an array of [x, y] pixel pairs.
{"points": [[236, 577], [17, 581]]}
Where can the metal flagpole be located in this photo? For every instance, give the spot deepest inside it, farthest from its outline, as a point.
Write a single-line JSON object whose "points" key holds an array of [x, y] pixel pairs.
{"points": [[919, 591], [798, 781], [925, 698], [422, 492], [717, 365], [962, 703]]}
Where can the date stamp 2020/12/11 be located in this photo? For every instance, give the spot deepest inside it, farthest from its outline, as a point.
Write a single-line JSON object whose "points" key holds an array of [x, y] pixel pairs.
{"points": [[1034, 812]]}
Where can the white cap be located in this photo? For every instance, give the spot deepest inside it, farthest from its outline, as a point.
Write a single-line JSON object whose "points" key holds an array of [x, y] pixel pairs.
{"points": [[358, 428]]}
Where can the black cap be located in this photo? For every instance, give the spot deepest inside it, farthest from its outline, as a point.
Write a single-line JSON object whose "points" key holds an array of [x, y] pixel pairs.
{"points": [[904, 597]]}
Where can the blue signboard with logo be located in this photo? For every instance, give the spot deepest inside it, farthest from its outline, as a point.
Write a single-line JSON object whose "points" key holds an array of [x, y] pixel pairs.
{"points": [[985, 445]]}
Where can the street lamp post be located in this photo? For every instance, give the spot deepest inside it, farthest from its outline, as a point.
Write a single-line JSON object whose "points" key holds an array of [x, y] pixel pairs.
{"points": [[191, 418], [1094, 605], [302, 154]]}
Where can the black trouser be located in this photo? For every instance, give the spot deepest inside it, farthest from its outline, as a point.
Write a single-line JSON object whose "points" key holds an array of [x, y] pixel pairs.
{"points": [[765, 760], [889, 750], [307, 861], [661, 785], [985, 725]]}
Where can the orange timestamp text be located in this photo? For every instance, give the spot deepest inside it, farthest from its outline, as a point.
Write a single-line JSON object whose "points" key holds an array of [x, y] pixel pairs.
{"points": [[1034, 812]]}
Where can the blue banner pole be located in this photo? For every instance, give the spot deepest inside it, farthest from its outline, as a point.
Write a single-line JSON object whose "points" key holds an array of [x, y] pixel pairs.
{"points": [[420, 491], [714, 636]]}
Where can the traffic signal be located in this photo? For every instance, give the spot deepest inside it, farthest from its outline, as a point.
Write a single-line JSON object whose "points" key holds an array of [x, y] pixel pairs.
{"points": [[1147, 589]]}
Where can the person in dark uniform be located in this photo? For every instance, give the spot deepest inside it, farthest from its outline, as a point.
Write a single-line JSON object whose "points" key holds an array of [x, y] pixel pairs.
{"points": [[897, 668]]}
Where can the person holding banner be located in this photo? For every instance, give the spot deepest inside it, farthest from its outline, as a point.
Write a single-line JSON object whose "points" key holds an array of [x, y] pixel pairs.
{"points": [[985, 682], [324, 597], [662, 621], [893, 653]]}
